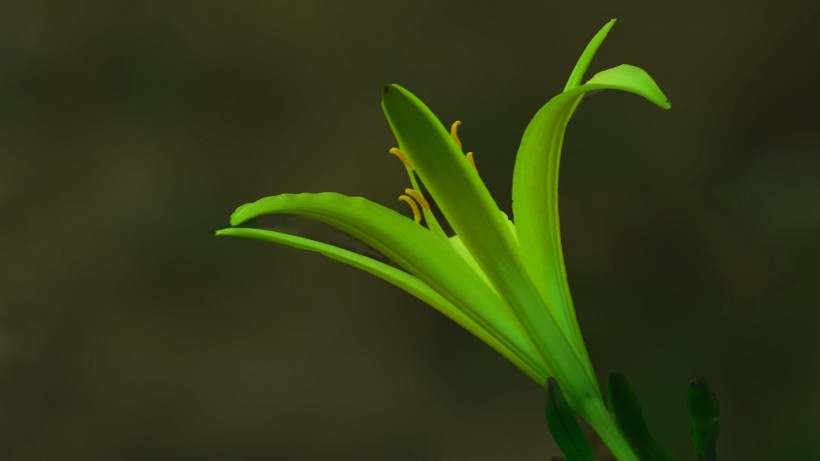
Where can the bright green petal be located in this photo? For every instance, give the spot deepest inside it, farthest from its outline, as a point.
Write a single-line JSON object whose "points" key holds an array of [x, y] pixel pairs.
{"points": [[627, 78], [471, 211], [390, 274], [453, 183], [411, 246], [577, 75], [535, 181], [535, 198]]}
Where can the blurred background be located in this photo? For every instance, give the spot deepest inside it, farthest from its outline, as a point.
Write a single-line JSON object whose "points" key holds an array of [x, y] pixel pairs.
{"points": [[130, 130]]}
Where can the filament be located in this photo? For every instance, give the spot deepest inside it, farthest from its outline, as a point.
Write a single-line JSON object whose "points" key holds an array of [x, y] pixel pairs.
{"points": [[425, 205], [454, 132], [395, 151], [469, 156], [409, 200]]}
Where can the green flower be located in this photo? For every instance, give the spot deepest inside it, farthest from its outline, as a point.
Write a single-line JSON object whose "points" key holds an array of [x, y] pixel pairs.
{"points": [[504, 282]]}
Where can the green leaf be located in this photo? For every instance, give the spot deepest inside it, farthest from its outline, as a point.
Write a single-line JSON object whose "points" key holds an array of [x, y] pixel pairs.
{"points": [[625, 407], [423, 254], [704, 417], [535, 181], [472, 213], [564, 427]]}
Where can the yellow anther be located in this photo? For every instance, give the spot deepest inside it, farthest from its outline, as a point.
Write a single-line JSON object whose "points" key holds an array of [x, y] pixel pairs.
{"points": [[409, 200], [454, 132], [418, 198], [469, 156], [395, 151]]}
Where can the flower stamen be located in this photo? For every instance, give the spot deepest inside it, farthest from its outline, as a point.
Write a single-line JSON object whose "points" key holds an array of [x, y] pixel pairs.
{"points": [[425, 205], [469, 156], [395, 151], [454, 132], [409, 200]]}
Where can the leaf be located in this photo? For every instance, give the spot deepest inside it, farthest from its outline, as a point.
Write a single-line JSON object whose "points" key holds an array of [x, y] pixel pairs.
{"points": [[624, 406], [420, 252], [704, 417], [564, 427]]}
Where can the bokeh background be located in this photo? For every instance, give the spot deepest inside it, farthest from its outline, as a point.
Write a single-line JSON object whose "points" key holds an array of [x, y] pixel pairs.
{"points": [[129, 131]]}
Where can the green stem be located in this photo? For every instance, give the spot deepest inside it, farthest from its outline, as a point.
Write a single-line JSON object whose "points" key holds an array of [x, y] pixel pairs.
{"points": [[596, 414]]}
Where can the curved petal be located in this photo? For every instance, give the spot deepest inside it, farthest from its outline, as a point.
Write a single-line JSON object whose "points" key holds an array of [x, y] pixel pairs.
{"points": [[413, 247], [390, 274], [535, 186], [535, 197], [577, 75], [627, 78]]}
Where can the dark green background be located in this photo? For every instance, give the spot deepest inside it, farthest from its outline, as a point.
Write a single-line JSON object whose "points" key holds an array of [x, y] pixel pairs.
{"points": [[130, 130]]}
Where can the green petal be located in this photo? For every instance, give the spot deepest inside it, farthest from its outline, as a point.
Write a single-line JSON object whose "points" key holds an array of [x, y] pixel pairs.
{"points": [[413, 247], [577, 75], [469, 208], [390, 274], [535, 198], [631, 79], [535, 182], [452, 182]]}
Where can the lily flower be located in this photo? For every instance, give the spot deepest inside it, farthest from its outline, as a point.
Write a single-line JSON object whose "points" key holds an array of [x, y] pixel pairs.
{"points": [[505, 282]]}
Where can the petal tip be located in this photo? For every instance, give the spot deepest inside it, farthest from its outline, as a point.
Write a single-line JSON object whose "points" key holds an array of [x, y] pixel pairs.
{"points": [[237, 217], [388, 91]]}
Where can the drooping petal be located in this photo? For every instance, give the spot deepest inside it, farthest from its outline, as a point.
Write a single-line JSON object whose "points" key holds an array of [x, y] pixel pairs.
{"points": [[392, 275], [535, 181], [630, 79], [472, 213], [425, 255]]}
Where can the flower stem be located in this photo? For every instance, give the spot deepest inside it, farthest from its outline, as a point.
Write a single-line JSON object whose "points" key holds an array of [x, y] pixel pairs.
{"points": [[596, 415]]}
